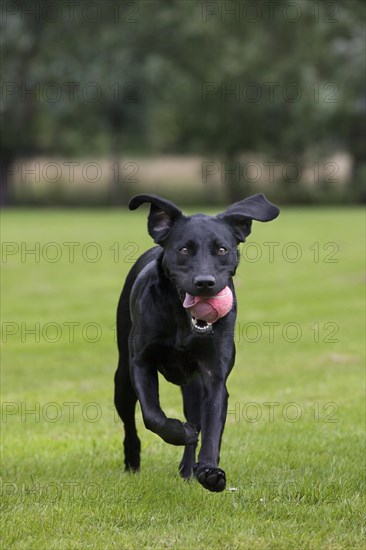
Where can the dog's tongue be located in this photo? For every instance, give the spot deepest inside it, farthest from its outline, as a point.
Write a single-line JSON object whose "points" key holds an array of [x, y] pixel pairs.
{"points": [[190, 300]]}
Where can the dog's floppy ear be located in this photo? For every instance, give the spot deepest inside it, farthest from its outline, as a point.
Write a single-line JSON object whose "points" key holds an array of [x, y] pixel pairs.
{"points": [[163, 214], [240, 214]]}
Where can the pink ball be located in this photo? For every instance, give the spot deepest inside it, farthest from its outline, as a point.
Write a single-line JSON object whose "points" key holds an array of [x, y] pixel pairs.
{"points": [[209, 309]]}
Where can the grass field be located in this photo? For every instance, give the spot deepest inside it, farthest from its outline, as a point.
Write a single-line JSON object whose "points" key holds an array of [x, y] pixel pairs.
{"points": [[293, 447]]}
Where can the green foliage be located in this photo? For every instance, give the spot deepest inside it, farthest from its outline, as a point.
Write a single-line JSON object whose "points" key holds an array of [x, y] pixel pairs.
{"points": [[167, 52], [210, 78], [298, 484]]}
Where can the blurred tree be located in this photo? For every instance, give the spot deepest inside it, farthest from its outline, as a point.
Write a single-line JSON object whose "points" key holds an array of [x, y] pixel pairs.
{"points": [[277, 86], [214, 78]]}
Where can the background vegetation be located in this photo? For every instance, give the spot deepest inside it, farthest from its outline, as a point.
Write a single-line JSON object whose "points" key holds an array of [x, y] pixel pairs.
{"points": [[128, 80]]}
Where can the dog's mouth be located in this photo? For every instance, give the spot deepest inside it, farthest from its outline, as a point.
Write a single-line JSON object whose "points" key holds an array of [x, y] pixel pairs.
{"points": [[201, 327]]}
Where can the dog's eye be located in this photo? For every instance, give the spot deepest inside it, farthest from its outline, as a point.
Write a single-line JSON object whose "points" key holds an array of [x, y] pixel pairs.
{"points": [[184, 251], [222, 251]]}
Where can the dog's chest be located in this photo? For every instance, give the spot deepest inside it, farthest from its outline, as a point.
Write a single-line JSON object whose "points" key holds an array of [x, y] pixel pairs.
{"points": [[176, 365]]}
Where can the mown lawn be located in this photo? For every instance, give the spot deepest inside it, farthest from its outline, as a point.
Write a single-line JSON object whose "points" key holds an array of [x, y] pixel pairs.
{"points": [[293, 448]]}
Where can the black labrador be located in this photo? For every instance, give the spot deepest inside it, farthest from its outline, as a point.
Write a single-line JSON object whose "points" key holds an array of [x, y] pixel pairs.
{"points": [[197, 255]]}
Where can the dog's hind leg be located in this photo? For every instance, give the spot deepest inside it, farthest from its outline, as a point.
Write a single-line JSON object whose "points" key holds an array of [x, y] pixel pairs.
{"points": [[192, 399], [125, 401]]}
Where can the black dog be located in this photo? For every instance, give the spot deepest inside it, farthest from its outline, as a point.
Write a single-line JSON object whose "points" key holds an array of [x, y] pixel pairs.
{"points": [[197, 255]]}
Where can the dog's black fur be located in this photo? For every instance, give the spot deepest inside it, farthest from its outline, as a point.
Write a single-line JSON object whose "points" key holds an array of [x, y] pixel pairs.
{"points": [[196, 255]]}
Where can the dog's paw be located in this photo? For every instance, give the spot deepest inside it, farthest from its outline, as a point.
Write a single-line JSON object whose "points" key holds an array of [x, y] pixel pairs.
{"points": [[210, 478], [132, 468], [132, 447], [176, 432], [186, 468], [185, 472]]}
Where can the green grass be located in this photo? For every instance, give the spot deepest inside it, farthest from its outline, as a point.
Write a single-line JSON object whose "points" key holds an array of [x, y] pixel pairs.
{"points": [[299, 484]]}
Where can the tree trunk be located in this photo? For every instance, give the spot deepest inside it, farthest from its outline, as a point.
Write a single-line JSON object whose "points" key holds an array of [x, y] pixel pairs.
{"points": [[236, 187], [6, 191], [118, 190], [356, 146]]}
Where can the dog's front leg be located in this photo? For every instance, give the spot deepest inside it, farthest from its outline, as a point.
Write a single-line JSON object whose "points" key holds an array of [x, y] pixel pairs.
{"points": [[213, 416], [173, 431]]}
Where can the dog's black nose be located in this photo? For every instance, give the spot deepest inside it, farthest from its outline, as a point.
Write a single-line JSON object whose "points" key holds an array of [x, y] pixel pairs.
{"points": [[204, 282]]}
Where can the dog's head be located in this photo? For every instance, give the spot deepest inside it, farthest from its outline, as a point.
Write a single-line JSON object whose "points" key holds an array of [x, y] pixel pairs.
{"points": [[201, 252]]}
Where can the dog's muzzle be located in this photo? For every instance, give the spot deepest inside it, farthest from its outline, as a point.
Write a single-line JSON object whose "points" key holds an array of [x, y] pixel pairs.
{"points": [[206, 310], [199, 326]]}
